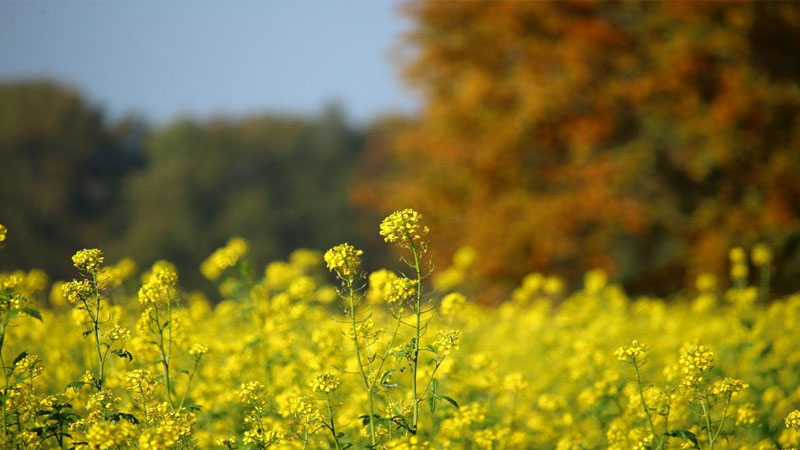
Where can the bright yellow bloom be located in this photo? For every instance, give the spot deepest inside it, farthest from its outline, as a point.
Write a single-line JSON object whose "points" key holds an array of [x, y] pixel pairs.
{"points": [[325, 382], [88, 260], [344, 259], [403, 227], [632, 353], [224, 258], [727, 386], [398, 290], [737, 255], [77, 291], [447, 340], [452, 304], [198, 350], [3, 232], [761, 255], [793, 420]]}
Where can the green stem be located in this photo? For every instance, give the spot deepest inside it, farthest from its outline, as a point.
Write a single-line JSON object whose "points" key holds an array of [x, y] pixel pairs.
{"points": [[96, 326], [364, 378], [418, 312], [765, 275], [164, 357], [644, 403], [724, 416], [707, 415], [5, 376], [189, 383], [333, 425]]}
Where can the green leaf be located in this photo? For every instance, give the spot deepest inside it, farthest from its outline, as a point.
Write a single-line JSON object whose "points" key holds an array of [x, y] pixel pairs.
{"points": [[685, 435], [450, 400], [435, 387], [76, 385], [385, 380], [432, 403], [33, 313], [116, 417], [19, 358], [122, 353]]}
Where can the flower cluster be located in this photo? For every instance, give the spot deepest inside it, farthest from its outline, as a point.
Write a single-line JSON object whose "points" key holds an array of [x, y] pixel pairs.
{"points": [[77, 291], [344, 259], [397, 290], [637, 351], [694, 361], [88, 260], [728, 386], [160, 284], [325, 383], [224, 258], [403, 228], [793, 420], [447, 340]]}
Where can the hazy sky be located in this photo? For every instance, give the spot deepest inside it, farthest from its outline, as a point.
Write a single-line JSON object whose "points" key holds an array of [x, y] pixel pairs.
{"points": [[167, 58]]}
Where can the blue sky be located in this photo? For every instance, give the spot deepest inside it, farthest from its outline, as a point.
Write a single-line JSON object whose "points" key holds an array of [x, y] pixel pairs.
{"points": [[164, 59]]}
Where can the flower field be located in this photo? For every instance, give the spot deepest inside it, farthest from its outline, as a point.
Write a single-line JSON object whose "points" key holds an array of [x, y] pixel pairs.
{"points": [[320, 352]]}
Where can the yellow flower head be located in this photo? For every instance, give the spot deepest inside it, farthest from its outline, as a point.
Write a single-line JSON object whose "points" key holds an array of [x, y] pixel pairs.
{"points": [[727, 386], [452, 304], [398, 290], [447, 340], [88, 260], [344, 259], [737, 255], [140, 384], [793, 420], [325, 382], [224, 258], [696, 358], [632, 353], [198, 350], [761, 255], [3, 232], [403, 227], [77, 291]]}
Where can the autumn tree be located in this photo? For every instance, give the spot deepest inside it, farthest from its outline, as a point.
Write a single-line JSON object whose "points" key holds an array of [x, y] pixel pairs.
{"points": [[646, 138]]}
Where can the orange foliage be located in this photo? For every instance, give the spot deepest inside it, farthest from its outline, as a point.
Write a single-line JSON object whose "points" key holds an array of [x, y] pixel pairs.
{"points": [[644, 138]]}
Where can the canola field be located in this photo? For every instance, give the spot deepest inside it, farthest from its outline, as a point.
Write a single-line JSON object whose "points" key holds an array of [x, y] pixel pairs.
{"points": [[320, 352]]}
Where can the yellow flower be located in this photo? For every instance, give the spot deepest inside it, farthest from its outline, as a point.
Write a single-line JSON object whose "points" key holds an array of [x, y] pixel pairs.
{"points": [[398, 290], [403, 227], [224, 258], [728, 386], [88, 260], [452, 304], [793, 420], [325, 382], [76, 292], [3, 232], [198, 350], [140, 384], [344, 259], [738, 256], [632, 353], [761, 255]]}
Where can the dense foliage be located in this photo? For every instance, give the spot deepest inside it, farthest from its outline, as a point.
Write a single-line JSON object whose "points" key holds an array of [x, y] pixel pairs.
{"points": [[396, 359], [70, 178], [646, 138]]}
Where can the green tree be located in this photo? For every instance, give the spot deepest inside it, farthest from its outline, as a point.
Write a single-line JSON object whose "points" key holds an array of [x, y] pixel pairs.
{"points": [[60, 173]]}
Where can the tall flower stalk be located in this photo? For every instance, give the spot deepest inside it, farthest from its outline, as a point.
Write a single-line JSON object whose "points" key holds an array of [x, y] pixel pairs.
{"points": [[405, 229]]}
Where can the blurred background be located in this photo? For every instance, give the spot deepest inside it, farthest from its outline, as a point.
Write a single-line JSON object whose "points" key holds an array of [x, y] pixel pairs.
{"points": [[643, 138]]}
